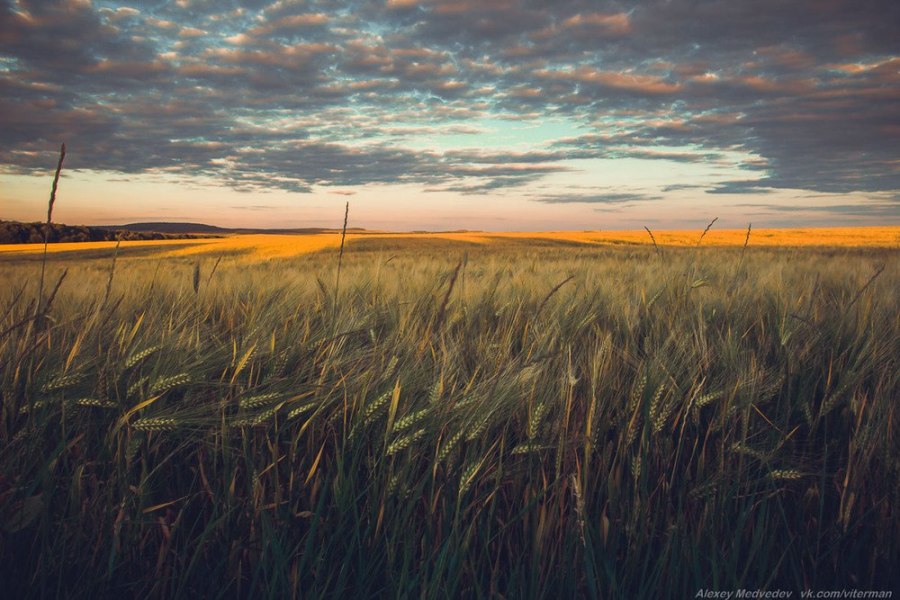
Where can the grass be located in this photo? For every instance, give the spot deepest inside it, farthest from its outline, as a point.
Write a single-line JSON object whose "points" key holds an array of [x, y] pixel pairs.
{"points": [[469, 419]]}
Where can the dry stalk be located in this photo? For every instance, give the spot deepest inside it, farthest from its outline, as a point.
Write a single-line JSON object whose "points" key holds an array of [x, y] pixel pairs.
{"points": [[62, 156], [705, 231], [337, 281], [443, 310], [552, 292], [859, 294], [655, 245]]}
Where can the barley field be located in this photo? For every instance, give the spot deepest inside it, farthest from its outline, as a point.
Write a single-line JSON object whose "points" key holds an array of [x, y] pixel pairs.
{"points": [[454, 415]]}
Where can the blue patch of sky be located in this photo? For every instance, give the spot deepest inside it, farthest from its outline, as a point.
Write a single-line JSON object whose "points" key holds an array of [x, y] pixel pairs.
{"points": [[8, 64], [645, 175], [496, 134]]}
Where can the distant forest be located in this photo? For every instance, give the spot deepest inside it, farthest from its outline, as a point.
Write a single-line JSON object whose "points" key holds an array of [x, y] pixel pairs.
{"points": [[13, 232]]}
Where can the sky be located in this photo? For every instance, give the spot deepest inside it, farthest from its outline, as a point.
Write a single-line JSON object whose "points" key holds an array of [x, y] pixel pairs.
{"points": [[453, 114]]}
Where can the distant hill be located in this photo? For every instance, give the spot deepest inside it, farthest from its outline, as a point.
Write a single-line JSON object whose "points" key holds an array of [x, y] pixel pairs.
{"points": [[198, 228], [14, 232], [164, 227]]}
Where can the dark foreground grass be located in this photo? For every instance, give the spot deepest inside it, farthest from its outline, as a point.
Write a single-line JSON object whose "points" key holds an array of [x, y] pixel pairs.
{"points": [[443, 425]]}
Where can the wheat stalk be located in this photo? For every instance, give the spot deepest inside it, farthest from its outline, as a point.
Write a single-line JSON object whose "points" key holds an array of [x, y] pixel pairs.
{"points": [[636, 467], [786, 474], [411, 419], [404, 442], [258, 400], [834, 398], [579, 506], [746, 240], [871, 280], [536, 417], [449, 445], [636, 394], [62, 382], [155, 424], [112, 271], [527, 447], [167, 383], [372, 410], [213, 271], [660, 409], [655, 245], [468, 476], [294, 412], [136, 386], [337, 280], [705, 231], [139, 357], [265, 415], [437, 389], [480, 427], [62, 156], [95, 402], [56, 287], [196, 279], [707, 399], [739, 448], [552, 292], [443, 309]]}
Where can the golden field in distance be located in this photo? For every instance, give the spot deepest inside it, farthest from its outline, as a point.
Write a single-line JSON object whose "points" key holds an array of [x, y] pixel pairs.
{"points": [[268, 246]]}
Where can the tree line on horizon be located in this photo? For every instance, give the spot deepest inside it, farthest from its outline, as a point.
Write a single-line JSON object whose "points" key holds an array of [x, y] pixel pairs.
{"points": [[14, 232]]}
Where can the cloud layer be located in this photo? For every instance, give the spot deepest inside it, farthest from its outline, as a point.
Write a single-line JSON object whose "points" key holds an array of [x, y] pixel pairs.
{"points": [[301, 94]]}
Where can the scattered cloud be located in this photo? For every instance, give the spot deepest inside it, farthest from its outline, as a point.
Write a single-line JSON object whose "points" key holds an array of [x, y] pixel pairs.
{"points": [[602, 198], [740, 187], [862, 209]]}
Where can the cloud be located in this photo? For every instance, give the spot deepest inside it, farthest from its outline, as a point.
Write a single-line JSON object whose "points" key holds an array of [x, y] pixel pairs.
{"points": [[610, 23], [676, 187], [294, 95], [612, 80], [740, 187], [603, 198], [862, 209]]}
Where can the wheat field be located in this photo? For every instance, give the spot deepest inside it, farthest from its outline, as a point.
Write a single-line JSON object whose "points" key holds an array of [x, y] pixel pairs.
{"points": [[477, 415], [267, 246]]}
